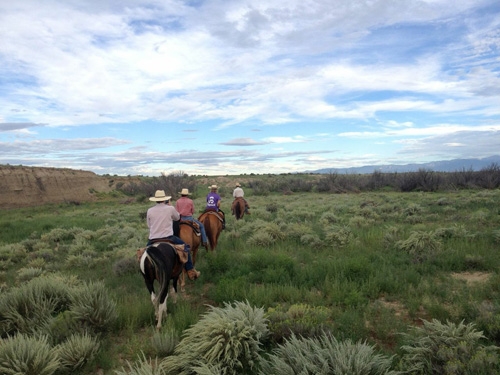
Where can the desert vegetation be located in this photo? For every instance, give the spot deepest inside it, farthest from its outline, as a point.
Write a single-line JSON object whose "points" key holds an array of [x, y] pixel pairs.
{"points": [[324, 277]]}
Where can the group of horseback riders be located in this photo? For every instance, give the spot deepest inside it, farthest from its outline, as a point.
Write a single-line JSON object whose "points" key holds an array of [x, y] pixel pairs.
{"points": [[162, 216]]}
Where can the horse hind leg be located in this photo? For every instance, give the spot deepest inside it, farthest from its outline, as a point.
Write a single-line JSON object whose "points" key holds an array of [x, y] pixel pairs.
{"points": [[162, 309]]}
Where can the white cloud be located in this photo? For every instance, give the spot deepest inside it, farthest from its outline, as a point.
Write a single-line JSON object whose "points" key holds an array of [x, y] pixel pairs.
{"points": [[365, 70]]}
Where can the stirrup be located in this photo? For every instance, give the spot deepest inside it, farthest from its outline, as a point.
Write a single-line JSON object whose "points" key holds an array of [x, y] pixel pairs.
{"points": [[193, 274]]}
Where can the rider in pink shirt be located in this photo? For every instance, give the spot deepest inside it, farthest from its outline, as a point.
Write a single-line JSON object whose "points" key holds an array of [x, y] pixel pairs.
{"points": [[185, 207]]}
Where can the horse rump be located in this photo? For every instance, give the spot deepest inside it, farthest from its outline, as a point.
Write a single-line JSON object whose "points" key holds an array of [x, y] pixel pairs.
{"points": [[157, 262]]}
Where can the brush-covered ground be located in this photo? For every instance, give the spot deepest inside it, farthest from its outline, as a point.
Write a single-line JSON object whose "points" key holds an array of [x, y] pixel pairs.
{"points": [[376, 269]]}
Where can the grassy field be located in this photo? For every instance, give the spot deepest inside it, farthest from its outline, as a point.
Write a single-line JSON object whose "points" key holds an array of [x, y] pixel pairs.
{"points": [[365, 267]]}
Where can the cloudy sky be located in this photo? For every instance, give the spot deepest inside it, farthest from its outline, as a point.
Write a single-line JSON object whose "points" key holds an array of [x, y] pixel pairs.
{"points": [[221, 87]]}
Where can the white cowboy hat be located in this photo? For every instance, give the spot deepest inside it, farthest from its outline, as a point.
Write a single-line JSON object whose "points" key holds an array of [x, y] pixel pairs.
{"points": [[238, 184], [160, 196], [185, 191], [213, 187]]}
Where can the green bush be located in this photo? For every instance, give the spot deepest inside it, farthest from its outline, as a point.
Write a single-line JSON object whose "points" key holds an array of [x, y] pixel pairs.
{"points": [[164, 343], [29, 308], [76, 351], [272, 207], [26, 355], [446, 349], [261, 239], [29, 273], [339, 235], [125, 266], [325, 355], [299, 319], [328, 218], [142, 367], [92, 307], [229, 338], [420, 245]]}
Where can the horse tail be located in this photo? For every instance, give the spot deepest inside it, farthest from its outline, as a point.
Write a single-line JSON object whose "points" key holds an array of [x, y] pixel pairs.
{"points": [[159, 258], [205, 220], [238, 212]]}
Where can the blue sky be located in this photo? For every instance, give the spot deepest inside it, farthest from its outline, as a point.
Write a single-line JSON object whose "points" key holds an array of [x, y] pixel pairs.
{"points": [[216, 87]]}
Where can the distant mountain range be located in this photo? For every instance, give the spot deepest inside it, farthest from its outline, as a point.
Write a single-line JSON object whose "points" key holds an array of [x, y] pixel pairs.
{"points": [[436, 166]]}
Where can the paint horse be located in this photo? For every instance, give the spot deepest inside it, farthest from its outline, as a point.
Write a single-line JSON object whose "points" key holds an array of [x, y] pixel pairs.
{"points": [[214, 223], [160, 262]]}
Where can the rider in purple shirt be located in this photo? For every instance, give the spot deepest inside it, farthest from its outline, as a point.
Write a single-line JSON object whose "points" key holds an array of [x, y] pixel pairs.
{"points": [[213, 199], [213, 204]]}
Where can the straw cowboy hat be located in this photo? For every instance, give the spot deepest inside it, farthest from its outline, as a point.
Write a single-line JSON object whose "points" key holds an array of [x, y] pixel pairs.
{"points": [[160, 196], [213, 187], [185, 191], [238, 184]]}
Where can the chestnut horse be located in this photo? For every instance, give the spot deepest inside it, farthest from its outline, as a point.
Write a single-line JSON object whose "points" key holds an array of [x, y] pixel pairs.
{"points": [[190, 234], [160, 262], [238, 208], [212, 220]]}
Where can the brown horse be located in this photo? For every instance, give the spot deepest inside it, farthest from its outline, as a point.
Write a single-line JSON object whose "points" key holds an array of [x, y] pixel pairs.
{"points": [[212, 221], [190, 234], [238, 208]]}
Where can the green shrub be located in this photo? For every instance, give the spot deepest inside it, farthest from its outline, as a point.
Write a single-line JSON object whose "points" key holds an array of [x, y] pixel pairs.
{"points": [[272, 207], [413, 209], [420, 245], [496, 235], [325, 355], [328, 218], [92, 306], [312, 241], [164, 343], [297, 230], [76, 351], [274, 230], [261, 239], [228, 337], [26, 355], [12, 253], [360, 221], [299, 319], [142, 367], [125, 266], [29, 308], [455, 231], [339, 235], [392, 235], [28, 273], [446, 349]]}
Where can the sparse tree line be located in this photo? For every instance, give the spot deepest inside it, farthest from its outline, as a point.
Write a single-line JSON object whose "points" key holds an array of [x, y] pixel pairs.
{"points": [[422, 180]]}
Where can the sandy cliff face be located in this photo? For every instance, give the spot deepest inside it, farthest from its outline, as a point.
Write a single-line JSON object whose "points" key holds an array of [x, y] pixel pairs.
{"points": [[30, 186]]}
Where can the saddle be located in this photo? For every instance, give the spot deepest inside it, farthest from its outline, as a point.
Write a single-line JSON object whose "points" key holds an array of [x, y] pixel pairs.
{"points": [[192, 224], [219, 215], [182, 254]]}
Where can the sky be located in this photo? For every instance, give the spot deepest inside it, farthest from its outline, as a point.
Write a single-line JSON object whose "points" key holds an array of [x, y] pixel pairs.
{"points": [[228, 87]]}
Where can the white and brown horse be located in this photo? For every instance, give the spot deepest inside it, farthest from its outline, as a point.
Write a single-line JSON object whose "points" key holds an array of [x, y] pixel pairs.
{"points": [[160, 262]]}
